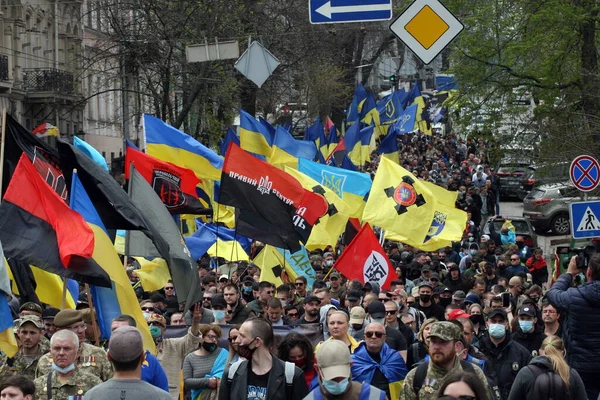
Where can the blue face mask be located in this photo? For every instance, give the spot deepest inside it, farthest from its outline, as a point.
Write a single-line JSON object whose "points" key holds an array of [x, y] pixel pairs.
{"points": [[155, 331], [336, 388], [247, 289], [526, 326], [219, 315], [64, 370], [497, 331]]}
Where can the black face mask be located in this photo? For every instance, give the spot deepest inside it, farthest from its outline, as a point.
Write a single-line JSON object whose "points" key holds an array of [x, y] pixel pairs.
{"points": [[445, 301], [245, 351], [210, 347], [476, 318], [425, 298]]}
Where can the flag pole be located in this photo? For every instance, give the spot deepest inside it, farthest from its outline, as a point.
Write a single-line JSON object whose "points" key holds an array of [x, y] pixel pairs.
{"points": [[2, 147], [64, 294], [93, 315]]}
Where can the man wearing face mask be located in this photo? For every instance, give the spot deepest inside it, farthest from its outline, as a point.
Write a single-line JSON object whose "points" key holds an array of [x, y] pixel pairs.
{"points": [[64, 380], [426, 304], [261, 375], [335, 378], [529, 334], [327, 261], [506, 356], [172, 351]]}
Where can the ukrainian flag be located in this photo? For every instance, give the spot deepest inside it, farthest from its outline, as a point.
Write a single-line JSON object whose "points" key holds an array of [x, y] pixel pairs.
{"points": [[353, 144], [331, 225], [351, 186], [316, 133], [388, 147], [209, 239], [287, 150], [413, 93], [120, 299], [399, 202], [169, 144], [49, 288], [230, 137], [360, 95], [8, 342], [254, 137], [367, 144], [332, 142], [369, 113]]}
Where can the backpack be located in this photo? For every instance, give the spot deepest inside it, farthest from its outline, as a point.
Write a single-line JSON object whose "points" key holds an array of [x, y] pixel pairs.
{"points": [[547, 385], [421, 374], [289, 376]]}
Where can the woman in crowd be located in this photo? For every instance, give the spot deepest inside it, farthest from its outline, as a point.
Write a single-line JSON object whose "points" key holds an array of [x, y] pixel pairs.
{"points": [[338, 324], [233, 347], [296, 348], [478, 321], [203, 368], [462, 385], [563, 382], [418, 351]]}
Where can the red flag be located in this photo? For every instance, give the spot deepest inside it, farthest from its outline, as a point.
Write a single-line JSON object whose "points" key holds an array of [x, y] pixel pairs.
{"points": [[37, 227], [176, 186], [273, 206], [364, 259]]}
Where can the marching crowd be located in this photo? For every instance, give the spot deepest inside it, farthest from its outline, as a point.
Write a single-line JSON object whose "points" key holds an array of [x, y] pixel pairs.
{"points": [[477, 320]]}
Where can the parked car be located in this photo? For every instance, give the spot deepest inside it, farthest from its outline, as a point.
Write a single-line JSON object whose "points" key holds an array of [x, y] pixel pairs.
{"points": [[544, 174], [547, 207], [522, 228], [511, 178]]}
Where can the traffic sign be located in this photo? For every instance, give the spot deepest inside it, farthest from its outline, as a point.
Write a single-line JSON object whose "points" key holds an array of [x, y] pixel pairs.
{"points": [[585, 173], [341, 11], [426, 27], [584, 219]]}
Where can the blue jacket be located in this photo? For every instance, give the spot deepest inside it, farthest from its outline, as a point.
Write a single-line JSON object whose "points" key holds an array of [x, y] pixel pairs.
{"points": [[153, 372], [582, 325], [363, 366]]}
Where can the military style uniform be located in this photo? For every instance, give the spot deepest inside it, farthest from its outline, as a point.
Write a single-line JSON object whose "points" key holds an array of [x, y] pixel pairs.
{"points": [[91, 359], [18, 365], [75, 388]]}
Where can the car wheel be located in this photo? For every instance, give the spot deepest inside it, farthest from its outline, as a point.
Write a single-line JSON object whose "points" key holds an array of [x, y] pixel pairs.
{"points": [[560, 224]]}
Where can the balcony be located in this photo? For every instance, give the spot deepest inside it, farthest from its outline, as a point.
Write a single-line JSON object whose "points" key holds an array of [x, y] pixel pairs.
{"points": [[47, 80]]}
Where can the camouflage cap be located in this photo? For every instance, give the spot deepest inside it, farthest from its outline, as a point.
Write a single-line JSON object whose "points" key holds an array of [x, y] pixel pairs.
{"points": [[31, 306], [34, 319], [445, 330]]}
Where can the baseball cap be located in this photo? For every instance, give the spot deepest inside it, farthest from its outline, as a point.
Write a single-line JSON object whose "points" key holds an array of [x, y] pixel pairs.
{"points": [[527, 310], [218, 301], [31, 306], [497, 311], [334, 275], [125, 344], [67, 318], [376, 309], [311, 298], [353, 295], [248, 279], [435, 275], [157, 318], [472, 298], [34, 319], [515, 280], [157, 297], [445, 330], [455, 314], [224, 276], [425, 284], [357, 315], [426, 268], [459, 295], [333, 359]]}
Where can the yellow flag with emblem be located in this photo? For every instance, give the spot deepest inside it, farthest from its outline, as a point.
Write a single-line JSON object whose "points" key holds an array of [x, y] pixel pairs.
{"points": [[272, 266], [399, 202]]}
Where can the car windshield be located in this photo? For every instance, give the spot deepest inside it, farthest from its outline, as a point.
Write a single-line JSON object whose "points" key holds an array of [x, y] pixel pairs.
{"points": [[520, 226]]}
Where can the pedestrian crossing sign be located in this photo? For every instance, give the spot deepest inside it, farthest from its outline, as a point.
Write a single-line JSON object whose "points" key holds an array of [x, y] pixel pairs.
{"points": [[584, 219]]}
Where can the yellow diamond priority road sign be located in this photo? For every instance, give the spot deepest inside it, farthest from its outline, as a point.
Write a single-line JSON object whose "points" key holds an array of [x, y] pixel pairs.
{"points": [[426, 27]]}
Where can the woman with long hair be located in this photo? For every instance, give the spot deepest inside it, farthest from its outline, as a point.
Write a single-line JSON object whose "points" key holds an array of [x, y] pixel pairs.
{"points": [[233, 347], [562, 382], [298, 349], [463, 385], [203, 368], [418, 351]]}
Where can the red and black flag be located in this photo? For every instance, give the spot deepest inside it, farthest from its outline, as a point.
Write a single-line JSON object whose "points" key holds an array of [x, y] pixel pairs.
{"points": [[19, 140], [272, 206], [38, 228], [176, 186]]}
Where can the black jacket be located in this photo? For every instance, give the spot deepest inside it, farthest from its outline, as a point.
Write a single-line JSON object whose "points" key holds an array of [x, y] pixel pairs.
{"points": [[507, 359], [524, 383], [237, 389], [240, 314], [532, 341]]}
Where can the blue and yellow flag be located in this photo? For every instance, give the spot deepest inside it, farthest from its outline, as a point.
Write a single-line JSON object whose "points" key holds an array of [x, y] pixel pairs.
{"points": [[254, 137], [230, 137], [406, 122], [353, 144], [369, 112], [390, 107], [91, 152], [367, 144], [120, 298], [287, 150], [169, 144], [353, 114], [423, 122], [331, 225], [278, 266], [8, 342], [316, 133], [351, 186], [388, 147], [49, 288], [218, 241], [412, 94], [399, 202]]}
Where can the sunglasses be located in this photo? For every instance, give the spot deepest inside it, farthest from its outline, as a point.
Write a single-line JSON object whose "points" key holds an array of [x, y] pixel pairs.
{"points": [[147, 308], [391, 312], [384, 300], [207, 298], [379, 335], [299, 284], [169, 288], [448, 397], [229, 311], [293, 315], [155, 323]]}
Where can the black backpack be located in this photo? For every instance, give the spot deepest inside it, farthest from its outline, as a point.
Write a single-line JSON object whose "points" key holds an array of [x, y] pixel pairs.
{"points": [[547, 385]]}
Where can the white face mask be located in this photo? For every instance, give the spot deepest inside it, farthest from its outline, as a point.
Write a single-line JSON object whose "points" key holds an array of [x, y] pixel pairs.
{"points": [[64, 370]]}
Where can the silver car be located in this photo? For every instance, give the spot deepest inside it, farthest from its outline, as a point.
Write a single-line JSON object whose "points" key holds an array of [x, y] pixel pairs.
{"points": [[547, 207]]}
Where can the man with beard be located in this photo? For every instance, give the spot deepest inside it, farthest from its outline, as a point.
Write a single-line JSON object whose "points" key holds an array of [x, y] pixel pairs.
{"points": [[31, 349], [424, 382], [231, 294], [312, 306]]}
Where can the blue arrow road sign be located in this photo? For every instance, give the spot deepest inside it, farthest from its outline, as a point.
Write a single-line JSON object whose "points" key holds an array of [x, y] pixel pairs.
{"points": [[584, 219], [340, 11]]}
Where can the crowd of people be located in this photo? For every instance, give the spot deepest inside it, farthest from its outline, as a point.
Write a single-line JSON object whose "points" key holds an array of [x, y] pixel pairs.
{"points": [[476, 320]]}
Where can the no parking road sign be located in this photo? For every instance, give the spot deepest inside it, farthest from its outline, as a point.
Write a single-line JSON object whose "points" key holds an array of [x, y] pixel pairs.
{"points": [[585, 173]]}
